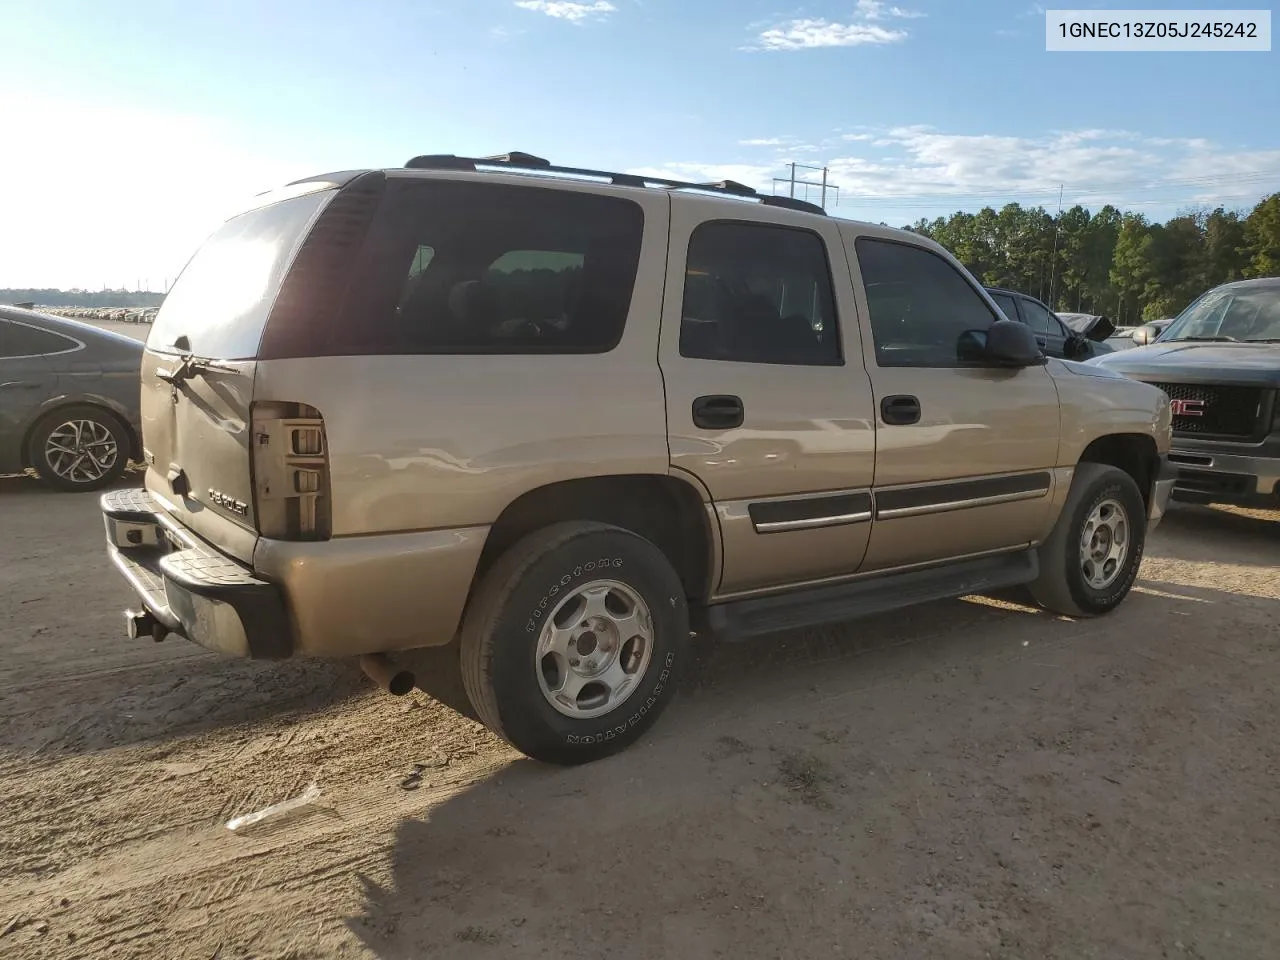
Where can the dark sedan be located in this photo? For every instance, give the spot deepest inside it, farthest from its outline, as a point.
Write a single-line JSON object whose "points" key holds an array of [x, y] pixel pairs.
{"points": [[69, 398], [1056, 337]]}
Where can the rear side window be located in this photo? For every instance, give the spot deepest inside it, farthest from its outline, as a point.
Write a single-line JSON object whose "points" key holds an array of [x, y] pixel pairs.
{"points": [[920, 304], [756, 293], [20, 340], [221, 299], [476, 268], [1038, 317]]}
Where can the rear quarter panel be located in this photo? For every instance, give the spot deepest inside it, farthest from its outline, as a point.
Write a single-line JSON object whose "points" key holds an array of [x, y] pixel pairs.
{"points": [[448, 441]]}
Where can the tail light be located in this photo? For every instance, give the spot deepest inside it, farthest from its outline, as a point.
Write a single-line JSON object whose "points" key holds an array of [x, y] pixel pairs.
{"points": [[290, 471]]}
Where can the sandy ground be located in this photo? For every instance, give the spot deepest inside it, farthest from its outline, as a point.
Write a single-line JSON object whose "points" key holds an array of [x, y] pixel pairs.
{"points": [[964, 780], [971, 779]]}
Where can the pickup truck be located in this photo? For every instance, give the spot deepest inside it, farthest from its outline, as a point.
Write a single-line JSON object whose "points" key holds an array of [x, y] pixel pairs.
{"points": [[1219, 363]]}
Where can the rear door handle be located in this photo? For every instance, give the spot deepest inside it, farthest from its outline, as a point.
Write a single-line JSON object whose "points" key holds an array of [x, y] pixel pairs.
{"points": [[718, 412], [900, 410]]}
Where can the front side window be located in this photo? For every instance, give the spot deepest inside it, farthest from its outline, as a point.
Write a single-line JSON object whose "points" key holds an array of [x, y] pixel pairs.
{"points": [[920, 305], [757, 293], [20, 340], [477, 268]]}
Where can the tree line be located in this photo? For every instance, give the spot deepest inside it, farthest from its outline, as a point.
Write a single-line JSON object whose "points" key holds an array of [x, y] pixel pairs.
{"points": [[1118, 264], [48, 297]]}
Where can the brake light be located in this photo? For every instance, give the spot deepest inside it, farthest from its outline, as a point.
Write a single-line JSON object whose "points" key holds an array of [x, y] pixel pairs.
{"points": [[290, 465]]}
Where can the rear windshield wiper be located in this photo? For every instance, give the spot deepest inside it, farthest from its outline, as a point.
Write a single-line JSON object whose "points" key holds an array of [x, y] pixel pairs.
{"points": [[189, 367]]}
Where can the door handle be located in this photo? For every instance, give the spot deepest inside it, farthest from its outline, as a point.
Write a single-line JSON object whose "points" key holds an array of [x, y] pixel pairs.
{"points": [[717, 412], [1042, 341], [900, 410]]}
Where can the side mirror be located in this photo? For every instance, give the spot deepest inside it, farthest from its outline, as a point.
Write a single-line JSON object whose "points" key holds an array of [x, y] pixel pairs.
{"points": [[1077, 347], [1145, 334], [1012, 344]]}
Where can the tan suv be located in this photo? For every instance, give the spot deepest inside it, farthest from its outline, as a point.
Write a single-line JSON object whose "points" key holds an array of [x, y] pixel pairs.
{"points": [[572, 417]]}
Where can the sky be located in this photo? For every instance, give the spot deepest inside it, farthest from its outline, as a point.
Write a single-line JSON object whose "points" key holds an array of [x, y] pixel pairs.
{"points": [[129, 129]]}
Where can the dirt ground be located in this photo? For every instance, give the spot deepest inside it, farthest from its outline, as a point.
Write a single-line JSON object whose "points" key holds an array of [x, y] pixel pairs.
{"points": [[971, 779]]}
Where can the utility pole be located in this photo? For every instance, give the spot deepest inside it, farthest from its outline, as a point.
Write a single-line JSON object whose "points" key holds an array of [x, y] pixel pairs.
{"points": [[1053, 261], [824, 185]]}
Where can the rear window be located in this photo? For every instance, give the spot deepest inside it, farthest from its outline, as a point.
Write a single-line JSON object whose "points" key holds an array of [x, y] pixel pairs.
{"points": [[221, 299], [475, 268]]}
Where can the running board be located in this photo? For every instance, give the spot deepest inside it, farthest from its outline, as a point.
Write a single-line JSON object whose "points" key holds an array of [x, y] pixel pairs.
{"points": [[736, 620]]}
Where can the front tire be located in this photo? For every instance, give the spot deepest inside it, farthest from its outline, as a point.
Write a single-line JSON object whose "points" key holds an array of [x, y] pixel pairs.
{"points": [[574, 641], [80, 448], [1090, 561]]}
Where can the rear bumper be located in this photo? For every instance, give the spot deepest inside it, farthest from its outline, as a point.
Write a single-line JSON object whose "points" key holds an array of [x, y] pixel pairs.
{"points": [[190, 589], [335, 598]]}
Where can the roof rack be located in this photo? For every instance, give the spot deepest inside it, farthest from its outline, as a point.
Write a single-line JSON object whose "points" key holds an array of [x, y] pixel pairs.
{"points": [[529, 163]]}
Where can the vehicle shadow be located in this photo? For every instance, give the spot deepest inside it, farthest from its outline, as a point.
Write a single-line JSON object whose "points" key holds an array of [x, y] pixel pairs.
{"points": [[935, 777], [1196, 533]]}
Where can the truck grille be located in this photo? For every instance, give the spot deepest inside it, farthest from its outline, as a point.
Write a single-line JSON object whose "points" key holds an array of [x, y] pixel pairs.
{"points": [[1224, 411]]}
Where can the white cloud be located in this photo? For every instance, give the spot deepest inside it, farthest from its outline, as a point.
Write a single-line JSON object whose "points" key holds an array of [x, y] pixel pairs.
{"points": [[810, 34], [876, 10], [864, 28], [758, 176], [781, 144], [913, 170], [567, 10]]}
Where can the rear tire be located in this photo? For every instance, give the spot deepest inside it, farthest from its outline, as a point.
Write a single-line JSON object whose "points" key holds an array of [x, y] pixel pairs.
{"points": [[80, 448], [1091, 559], [573, 642]]}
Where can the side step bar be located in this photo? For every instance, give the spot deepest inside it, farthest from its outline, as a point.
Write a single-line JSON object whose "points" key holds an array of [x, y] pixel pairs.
{"points": [[756, 616]]}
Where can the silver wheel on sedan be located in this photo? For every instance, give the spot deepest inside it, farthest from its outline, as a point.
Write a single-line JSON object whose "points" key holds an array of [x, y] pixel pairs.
{"points": [[81, 451]]}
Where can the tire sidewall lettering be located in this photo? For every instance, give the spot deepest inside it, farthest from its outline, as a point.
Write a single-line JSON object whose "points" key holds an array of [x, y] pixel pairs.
{"points": [[618, 729], [534, 620]]}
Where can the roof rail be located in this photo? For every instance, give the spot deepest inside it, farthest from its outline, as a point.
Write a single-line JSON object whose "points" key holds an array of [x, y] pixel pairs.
{"points": [[528, 162]]}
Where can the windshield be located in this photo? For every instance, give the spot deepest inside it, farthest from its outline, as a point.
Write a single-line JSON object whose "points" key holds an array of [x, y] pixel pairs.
{"points": [[1230, 314]]}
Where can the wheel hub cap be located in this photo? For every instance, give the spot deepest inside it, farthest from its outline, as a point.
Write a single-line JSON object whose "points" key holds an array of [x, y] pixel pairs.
{"points": [[81, 451], [594, 649], [1104, 544]]}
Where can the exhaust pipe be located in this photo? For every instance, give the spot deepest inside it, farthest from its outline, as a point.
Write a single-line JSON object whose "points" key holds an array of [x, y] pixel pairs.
{"points": [[383, 671]]}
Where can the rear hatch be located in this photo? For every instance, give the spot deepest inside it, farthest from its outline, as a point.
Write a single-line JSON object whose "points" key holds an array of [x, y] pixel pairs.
{"points": [[200, 362]]}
